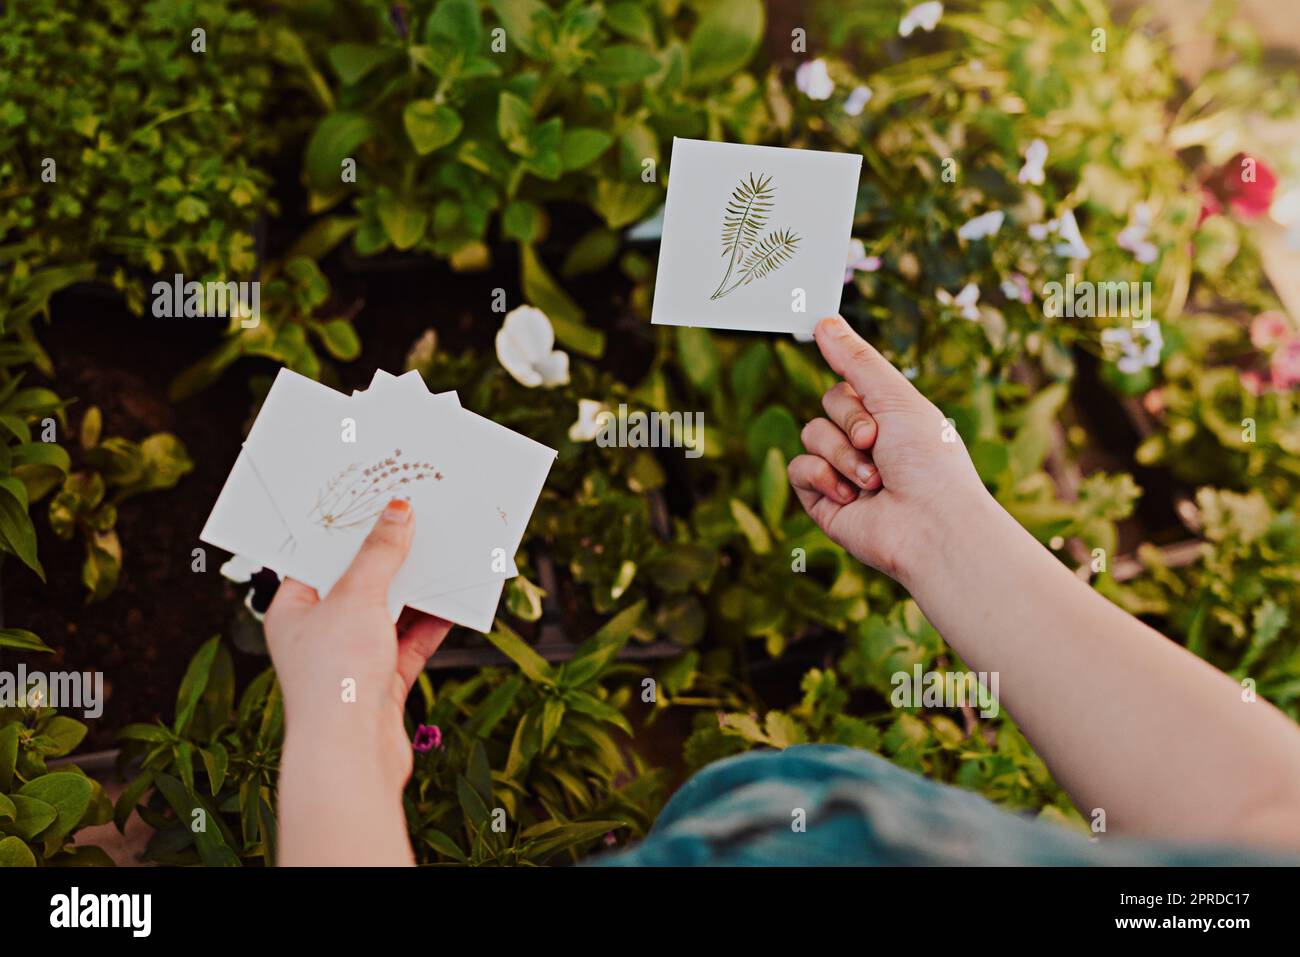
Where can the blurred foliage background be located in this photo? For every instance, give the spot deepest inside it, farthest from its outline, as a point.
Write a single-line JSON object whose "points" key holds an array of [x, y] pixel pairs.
{"points": [[1006, 143]]}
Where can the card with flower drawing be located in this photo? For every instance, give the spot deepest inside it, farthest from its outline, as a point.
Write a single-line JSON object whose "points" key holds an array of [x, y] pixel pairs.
{"points": [[318, 467], [755, 237]]}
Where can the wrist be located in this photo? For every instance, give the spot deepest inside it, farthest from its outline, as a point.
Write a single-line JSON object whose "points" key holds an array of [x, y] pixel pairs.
{"points": [[963, 529]]}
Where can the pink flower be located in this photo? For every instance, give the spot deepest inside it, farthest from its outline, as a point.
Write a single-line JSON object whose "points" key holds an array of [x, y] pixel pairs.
{"points": [[427, 737], [1253, 382], [1269, 329], [1284, 366], [1245, 184]]}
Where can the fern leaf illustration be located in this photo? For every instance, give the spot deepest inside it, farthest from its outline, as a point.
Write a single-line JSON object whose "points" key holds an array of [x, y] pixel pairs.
{"points": [[746, 213], [743, 220], [771, 253]]}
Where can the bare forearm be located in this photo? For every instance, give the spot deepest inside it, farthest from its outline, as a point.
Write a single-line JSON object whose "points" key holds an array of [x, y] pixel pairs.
{"points": [[1127, 720], [339, 806]]}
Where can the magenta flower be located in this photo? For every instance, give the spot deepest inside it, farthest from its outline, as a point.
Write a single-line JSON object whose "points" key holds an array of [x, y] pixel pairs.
{"points": [[427, 737], [1284, 366]]}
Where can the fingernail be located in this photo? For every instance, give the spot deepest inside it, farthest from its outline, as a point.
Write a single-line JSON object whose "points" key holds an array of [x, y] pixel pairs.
{"points": [[856, 436], [397, 511], [864, 474], [847, 492]]}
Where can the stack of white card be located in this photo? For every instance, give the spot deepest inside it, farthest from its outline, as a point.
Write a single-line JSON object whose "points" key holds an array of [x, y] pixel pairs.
{"points": [[318, 467]]}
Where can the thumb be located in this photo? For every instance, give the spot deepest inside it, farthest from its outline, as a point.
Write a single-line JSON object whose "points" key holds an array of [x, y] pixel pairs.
{"points": [[381, 554], [881, 386]]}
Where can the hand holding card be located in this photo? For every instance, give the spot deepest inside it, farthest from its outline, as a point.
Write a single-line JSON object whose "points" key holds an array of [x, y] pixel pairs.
{"points": [[318, 467]]}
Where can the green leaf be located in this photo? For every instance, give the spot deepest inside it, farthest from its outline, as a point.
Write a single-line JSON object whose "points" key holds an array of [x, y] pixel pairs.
{"points": [[631, 20], [194, 683], [725, 37], [621, 203], [458, 22], [565, 836], [430, 125], [1034, 437], [583, 145], [65, 732], [594, 655], [15, 853], [8, 754], [215, 759], [773, 488], [22, 640], [621, 63], [526, 23], [594, 251], [565, 315], [69, 794], [494, 707], [339, 339], [33, 815], [775, 427], [593, 707], [7, 810], [443, 844], [522, 221], [751, 527], [699, 357], [552, 717], [513, 647], [210, 841], [352, 61], [17, 534], [514, 122], [334, 139], [404, 222]]}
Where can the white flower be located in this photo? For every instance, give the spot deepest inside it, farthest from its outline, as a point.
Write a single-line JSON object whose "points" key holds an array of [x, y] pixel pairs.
{"points": [[982, 226], [858, 260], [1016, 287], [1035, 157], [1133, 237], [966, 301], [1040, 231], [859, 97], [1132, 356], [591, 420], [1074, 246], [813, 80], [525, 349], [240, 569], [926, 16]]}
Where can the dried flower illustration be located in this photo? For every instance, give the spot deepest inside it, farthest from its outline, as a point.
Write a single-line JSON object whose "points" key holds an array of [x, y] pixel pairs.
{"points": [[748, 256], [355, 496]]}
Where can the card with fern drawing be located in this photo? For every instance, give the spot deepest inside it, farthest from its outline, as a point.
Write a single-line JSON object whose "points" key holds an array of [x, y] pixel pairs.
{"points": [[754, 237]]}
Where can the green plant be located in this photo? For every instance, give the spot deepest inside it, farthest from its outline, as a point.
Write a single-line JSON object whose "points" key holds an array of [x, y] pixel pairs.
{"points": [[123, 143], [457, 122], [116, 469], [41, 810], [539, 744], [206, 782]]}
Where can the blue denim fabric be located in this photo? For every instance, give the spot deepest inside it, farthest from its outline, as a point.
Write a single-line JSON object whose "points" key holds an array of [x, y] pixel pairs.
{"points": [[861, 810]]}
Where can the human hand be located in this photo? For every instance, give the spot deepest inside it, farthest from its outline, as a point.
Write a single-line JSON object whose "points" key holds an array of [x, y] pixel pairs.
{"points": [[344, 668], [879, 478]]}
